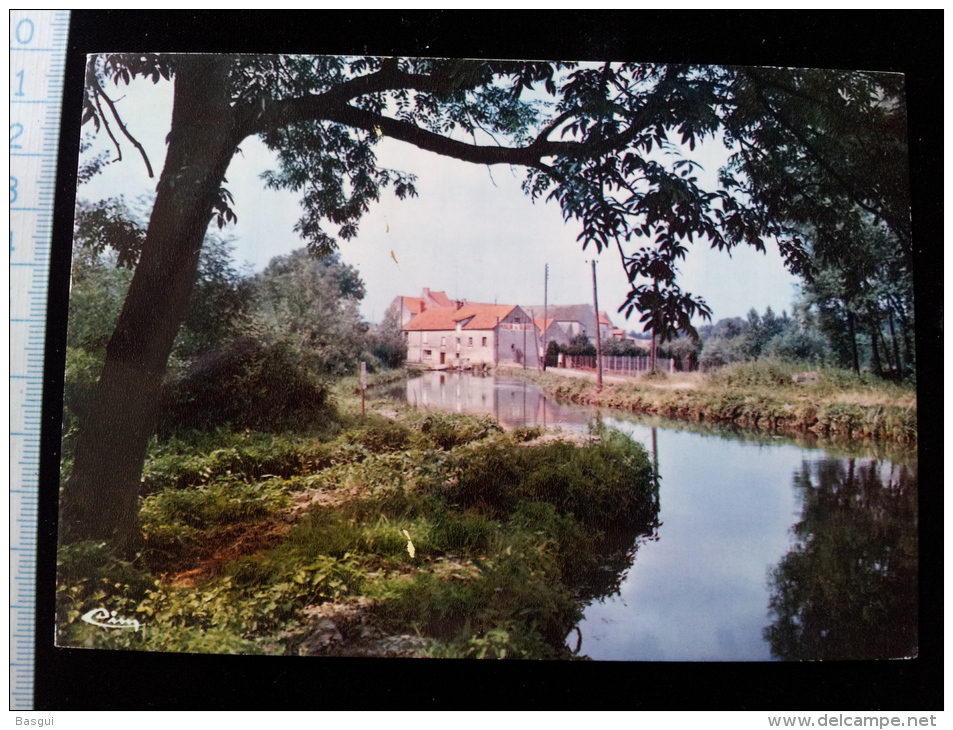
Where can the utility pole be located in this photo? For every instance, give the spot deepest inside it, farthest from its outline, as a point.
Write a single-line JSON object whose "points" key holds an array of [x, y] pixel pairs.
{"points": [[595, 303], [545, 316]]}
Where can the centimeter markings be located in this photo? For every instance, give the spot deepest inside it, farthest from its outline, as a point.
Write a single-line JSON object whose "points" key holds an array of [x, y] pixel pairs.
{"points": [[37, 65]]}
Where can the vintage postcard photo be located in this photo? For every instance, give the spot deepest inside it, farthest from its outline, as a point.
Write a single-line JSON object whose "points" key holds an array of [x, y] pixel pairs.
{"points": [[491, 359]]}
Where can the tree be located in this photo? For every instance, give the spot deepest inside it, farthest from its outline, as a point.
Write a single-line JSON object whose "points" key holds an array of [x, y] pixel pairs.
{"points": [[863, 295], [315, 303], [595, 150], [386, 340], [819, 153]]}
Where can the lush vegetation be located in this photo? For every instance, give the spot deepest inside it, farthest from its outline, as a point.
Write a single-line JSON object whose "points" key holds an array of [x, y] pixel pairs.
{"points": [[423, 535], [829, 402], [818, 157], [219, 487]]}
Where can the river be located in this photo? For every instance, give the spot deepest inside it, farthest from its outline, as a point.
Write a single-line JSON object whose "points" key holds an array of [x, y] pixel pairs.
{"points": [[769, 547]]}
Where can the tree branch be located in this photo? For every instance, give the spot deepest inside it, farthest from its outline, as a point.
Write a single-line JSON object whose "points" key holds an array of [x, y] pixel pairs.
{"points": [[99, 92]]}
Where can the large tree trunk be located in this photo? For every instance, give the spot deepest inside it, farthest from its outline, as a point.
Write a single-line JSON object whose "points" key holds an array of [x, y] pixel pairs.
{"points": [[100, 499]]}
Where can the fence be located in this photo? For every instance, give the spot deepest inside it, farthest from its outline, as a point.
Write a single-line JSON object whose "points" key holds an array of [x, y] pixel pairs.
{"points": [[619, 363]]}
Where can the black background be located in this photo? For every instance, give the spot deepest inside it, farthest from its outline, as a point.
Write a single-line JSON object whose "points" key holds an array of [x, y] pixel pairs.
{"points": [[906, 42]]}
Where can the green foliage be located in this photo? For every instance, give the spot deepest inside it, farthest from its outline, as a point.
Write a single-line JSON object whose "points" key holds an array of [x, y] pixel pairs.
{"points": [[313, 303], [198, 457], [379, 434], [764, 336], [770, 373], [778, 373], [686, 350], [807, 347], [221, 502], [447, 430], [861, 296], [386, 340], [110, 225], [261, 385], [502, 577], [818, 152], [90, 576], [526, 433], [219, 306], [599, 485], [108, 238], [580, 346]]}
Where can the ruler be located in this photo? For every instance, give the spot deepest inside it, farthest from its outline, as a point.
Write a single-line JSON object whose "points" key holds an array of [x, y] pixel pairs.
{"points": [[37, 66]]}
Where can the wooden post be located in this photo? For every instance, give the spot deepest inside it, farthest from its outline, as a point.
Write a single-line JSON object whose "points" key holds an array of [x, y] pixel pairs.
{"points": [[363, 384]]}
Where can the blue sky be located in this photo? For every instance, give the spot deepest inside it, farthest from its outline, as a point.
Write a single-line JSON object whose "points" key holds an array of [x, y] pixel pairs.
{"points": [[471, 232]]}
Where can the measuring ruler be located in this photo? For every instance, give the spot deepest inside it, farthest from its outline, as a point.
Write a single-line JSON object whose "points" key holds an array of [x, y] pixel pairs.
{"points": [[37, 66]]}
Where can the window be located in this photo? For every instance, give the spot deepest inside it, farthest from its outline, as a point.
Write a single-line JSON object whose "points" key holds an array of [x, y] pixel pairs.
{"points": [[484, 341], [458, 341], [469, 342], [428, 354], [425, 338], [516, 319], [443, 341]]}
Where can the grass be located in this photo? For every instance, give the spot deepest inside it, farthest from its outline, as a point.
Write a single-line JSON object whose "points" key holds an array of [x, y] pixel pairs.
{"points": [[423, 534], [761, 395]]}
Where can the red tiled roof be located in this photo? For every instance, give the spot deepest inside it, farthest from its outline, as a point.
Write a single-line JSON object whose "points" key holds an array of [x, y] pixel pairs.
{"points": [[543, 324], [480, 316], [441, 298], [604, 319], [414, 304]]}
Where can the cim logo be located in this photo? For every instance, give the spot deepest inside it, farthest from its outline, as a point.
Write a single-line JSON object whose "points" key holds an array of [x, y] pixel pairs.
{"points": [[109, 620]]}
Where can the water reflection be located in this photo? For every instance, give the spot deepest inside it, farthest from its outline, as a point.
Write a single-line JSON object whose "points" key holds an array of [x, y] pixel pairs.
{"points": [[843, 581], [848, 587], [513, 403]]}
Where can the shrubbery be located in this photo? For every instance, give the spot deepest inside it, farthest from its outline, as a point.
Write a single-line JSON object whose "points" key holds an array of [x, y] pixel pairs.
{"points": [[251, 384], [502, 564]]}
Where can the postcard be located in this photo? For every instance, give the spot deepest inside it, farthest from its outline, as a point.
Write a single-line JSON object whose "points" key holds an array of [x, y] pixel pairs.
{"points": [[437, 358]]}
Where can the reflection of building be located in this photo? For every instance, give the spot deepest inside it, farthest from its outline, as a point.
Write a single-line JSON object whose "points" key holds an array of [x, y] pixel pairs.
{"points": [[511, 403]]}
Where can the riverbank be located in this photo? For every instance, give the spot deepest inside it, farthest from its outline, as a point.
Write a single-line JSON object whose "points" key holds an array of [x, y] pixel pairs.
{"points": [[760, 396], [417, 534]]}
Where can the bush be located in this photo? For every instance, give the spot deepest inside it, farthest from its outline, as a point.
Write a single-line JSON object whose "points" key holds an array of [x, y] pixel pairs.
{"points": [[378, 434], [220, 503], [770, 373], [447, 430], [601, 484], [248, 384], [192, 459], [797, 346]]}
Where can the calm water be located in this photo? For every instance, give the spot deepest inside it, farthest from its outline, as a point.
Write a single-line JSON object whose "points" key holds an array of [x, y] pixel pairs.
{"points": [[768, 548]]}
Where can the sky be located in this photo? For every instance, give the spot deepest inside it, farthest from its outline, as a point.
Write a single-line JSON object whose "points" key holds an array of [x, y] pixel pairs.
{"points": [[471, 232]]}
